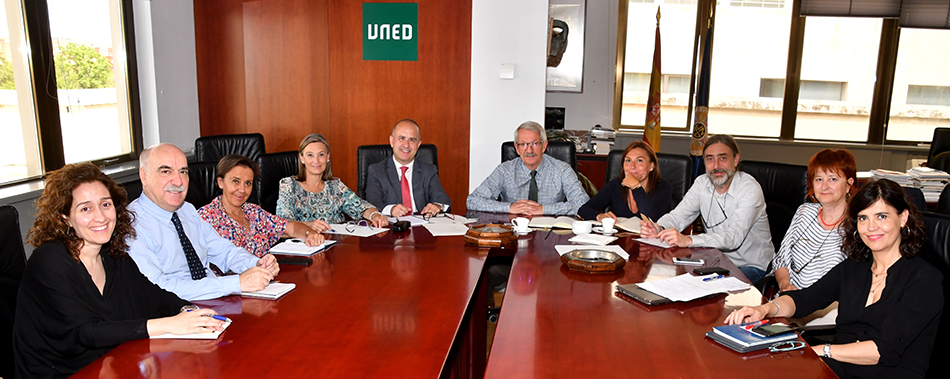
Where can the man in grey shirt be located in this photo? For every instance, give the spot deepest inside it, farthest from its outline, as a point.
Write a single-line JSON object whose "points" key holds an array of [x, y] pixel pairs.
{"points": [[732, 208]]}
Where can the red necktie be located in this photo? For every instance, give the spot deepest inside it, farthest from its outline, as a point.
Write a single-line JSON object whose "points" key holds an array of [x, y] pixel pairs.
{"points": [[406, 197]]}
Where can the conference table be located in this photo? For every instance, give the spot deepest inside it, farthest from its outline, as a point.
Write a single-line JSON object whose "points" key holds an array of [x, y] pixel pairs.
{"points": [[412, 305]]}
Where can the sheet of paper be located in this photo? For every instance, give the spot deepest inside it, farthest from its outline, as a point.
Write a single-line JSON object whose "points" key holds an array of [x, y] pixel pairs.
{"points": [[273, 291], [592, 239], [296, 247], [194, 336], [413, 220], [653, 242], [564, 249], [437, 229], [687, 287], [454, 219], [359, 231]]}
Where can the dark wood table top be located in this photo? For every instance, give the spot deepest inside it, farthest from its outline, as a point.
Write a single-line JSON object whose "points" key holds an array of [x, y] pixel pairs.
{"points": [[360, 310], [555, 323]]}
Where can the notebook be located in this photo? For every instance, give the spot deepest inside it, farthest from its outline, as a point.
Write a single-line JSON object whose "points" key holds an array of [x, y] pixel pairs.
{"points": [[194, 336], [273, 291], [563, 222], [739, 338], [295, 246]]}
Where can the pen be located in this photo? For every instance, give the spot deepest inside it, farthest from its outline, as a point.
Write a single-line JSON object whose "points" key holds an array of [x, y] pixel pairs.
{"points": [[754, 325], [645, 217], [219, 318], [713, 278]]}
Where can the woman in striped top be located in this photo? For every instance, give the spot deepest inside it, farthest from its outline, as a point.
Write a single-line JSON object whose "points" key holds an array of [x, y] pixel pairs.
{"points": [[812, 245]]}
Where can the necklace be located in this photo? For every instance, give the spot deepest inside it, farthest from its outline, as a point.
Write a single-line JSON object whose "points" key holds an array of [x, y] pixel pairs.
{"points": [[822, 209], [880, 282]]}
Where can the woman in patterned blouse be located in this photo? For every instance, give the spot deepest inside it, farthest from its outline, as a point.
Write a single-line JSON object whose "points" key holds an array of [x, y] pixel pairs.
{"points": [[314, 195], [245, 224]]}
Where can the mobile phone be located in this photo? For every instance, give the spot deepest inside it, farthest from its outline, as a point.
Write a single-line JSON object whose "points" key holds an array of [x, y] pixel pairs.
{"points": [[292, 260], [688, 261], [710, 270], [401, 226], [766, 331]]}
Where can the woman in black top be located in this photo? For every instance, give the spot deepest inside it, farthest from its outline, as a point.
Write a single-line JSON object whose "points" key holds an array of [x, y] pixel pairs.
{"points": [[81, 294], [640, 190], [889, 301]]}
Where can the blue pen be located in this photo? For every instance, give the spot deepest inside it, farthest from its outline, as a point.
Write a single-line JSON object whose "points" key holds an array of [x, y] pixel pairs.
{"points": [[713, 278], [220, 318]]}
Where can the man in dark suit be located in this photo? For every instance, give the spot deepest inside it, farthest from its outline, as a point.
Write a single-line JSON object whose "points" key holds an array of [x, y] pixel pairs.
{"points": [[402, 185]]}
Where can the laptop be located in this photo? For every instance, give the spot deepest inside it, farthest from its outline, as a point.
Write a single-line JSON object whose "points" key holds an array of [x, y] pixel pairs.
{"points": [[646, 297]]}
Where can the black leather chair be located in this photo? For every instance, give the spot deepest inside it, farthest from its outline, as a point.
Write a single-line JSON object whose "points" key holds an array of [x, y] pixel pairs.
{"points": [[274, 167], [943, 204], [939, 155], [369, 154], [784, 187], [936, 250], [674, 168], [12, 263], [202, 187], [562, 150], [213, 148], [917, 198]]}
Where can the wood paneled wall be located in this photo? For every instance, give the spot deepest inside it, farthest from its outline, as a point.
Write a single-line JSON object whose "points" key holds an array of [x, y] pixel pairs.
{"points": [[287, 68]]}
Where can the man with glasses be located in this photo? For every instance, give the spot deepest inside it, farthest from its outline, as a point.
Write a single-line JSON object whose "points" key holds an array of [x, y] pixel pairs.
{"points": [[731, 206], [402, 185], [535, 184]]}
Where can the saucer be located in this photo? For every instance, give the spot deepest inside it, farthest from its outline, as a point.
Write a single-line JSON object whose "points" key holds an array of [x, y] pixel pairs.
{"points": [[600, 229]]}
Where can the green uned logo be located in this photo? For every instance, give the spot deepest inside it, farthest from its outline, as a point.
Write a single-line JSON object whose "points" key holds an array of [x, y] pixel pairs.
{"points": [[390, 31]]}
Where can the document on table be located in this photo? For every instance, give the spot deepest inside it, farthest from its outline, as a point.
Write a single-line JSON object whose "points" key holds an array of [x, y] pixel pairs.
{"points": [[592, 239], [297, 247], [687, 287], [273, 291], [564, 249], [653, 242], [358, 230], [194, 336], [437, 229], [413, 220], [454, 219]]}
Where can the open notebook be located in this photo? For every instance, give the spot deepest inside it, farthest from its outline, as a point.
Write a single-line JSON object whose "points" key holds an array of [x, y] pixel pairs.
{"points": [[563, 222], [273, 291]]}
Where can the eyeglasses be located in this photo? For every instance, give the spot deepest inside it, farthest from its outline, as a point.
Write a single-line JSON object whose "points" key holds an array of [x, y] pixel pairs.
{"points": [[724, 215], [525, 145], [351, 225], [817, 255], [786, 346], [426, 216]]}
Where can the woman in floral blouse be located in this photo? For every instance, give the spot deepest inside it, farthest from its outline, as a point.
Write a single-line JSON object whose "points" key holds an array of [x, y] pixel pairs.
{"points": [[315, 196], [245, 224]]}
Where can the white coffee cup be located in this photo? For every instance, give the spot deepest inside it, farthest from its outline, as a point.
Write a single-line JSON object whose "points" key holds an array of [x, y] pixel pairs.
{"points": [[521, 224], [581, 227], [608, 224]]}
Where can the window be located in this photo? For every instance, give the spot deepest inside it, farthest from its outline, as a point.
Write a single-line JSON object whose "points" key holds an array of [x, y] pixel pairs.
{"points": [[758, 3], [85, 90], [676, 27], [921, 100]]}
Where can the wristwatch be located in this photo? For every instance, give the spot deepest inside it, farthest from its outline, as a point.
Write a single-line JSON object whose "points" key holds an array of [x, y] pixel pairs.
{"points": [[188, 308], [827, 351]]}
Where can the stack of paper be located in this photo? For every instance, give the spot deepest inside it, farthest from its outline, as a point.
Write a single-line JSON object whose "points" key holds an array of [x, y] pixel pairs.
{"points": [[687, 287], [901, 178], [297, 247], [930, 181]]}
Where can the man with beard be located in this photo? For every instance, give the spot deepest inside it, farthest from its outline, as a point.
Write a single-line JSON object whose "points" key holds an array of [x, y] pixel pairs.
{"points": [[173, 246], [732, 208], [535, 184]]}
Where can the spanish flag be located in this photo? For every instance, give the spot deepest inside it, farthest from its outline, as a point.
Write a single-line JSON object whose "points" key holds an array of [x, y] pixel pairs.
{"points": [[651, 129]]}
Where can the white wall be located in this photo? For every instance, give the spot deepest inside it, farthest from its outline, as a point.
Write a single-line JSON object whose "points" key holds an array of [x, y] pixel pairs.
{"points": [[504, 31], [168, 80], [594, 105]]}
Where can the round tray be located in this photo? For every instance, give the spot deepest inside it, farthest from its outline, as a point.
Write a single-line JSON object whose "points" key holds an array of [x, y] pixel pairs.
{"points": [[491, 235], [593, 260]]}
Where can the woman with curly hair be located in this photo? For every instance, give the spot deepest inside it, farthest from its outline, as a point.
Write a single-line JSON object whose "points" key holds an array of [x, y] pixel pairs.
{"points": [[81, 294], [889, 301]]}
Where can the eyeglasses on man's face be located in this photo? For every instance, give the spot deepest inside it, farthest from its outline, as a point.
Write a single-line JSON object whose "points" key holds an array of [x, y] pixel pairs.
{"points": [[526, 145]]}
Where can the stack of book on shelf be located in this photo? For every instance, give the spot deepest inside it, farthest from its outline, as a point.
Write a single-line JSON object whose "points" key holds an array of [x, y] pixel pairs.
{"points": [[930, 181]]}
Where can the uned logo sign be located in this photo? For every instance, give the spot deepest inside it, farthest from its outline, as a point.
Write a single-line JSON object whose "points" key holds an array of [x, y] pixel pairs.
{"points": [[390, 31]]}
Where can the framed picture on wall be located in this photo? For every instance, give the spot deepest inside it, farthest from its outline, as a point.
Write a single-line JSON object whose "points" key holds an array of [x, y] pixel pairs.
{"points": [[565, 57]]}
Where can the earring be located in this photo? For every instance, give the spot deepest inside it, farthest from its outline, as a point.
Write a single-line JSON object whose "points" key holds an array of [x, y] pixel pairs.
{"points": [[847, 196], [905, 231]]}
